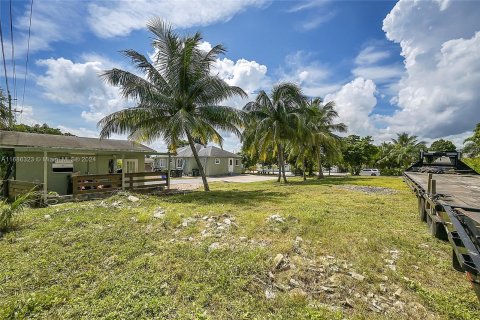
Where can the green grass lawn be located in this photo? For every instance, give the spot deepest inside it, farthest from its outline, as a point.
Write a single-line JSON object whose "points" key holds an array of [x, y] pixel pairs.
{"points": [[360, 255]]}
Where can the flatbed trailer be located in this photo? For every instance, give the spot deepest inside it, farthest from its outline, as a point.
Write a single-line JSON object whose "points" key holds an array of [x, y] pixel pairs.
{"points": [[448, 193]]}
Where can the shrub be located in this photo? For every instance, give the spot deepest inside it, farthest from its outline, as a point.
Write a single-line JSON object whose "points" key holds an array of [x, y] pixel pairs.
{"points": [[8, 210], [473, 163], [391, 171]]}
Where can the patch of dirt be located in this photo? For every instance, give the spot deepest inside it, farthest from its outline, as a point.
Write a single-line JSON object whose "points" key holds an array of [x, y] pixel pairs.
{"points": [[368, 189], [186, 186]]}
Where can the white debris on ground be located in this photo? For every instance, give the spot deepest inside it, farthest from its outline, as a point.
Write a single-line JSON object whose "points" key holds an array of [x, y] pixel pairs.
{"points": [[133, 198], [327, 278], [214, 246], [211, 226], [324, 281], [392, 260], [159, 213], [276, 218]]}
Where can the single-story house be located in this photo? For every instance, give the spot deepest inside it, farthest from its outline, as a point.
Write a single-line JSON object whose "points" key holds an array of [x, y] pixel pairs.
{"points": [[215, 161], [51, 160]]}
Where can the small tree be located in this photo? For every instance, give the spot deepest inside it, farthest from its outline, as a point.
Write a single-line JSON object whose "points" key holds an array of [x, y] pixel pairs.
{"points": [[442, 145], [472, 144], [358, 152]]}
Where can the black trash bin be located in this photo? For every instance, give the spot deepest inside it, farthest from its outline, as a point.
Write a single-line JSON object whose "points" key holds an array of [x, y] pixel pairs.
{"points": [[195, 172]]}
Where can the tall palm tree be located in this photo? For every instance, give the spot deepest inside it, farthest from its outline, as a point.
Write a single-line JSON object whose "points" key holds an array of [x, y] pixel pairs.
{"points": [[323, 126], [273, 121], [316, 138], [406, 149], [177, 97]]}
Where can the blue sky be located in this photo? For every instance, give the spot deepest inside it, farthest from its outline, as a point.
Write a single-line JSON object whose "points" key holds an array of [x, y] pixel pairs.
{"points": [[388, 65]]}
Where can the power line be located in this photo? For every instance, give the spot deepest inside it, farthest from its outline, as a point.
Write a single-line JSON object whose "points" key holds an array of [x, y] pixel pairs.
{"points": [[4, 63], [13, 56], [28, 51]]}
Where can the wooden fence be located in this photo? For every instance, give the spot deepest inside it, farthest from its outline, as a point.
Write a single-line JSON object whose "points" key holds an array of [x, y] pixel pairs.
{"points": [[98, 183], [17, 188], [146, 180], [94, 183]]}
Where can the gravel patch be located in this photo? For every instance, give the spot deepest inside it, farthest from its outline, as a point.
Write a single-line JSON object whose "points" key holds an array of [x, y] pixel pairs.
{"points": [[368, 189]]}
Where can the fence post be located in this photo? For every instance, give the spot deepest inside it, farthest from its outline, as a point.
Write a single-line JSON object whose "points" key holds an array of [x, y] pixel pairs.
{"points": [[74, 185], [45, 175], [123, 172], [168, 171]]}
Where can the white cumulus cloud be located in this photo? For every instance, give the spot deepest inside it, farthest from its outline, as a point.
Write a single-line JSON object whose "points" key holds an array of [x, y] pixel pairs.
{"points": [[313, 77], [78, 83], [119, 18], [355, 102], [249, 75], [440, 41], [370, 64]]}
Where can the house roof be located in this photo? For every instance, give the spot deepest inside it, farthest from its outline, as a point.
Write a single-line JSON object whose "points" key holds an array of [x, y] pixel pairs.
{"points": [[26, 140], [208, 151]]}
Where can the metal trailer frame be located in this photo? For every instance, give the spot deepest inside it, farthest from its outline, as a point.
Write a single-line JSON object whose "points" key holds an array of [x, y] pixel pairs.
{"points": [[449, 221]]}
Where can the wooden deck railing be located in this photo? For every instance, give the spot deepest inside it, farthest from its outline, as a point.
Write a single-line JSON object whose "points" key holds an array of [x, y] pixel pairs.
{"points": [[92, 183], [146, 180], [97, 183]]}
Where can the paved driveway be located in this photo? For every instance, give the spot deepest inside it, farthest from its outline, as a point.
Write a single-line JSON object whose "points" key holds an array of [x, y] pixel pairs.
{"points": [[189, 183]]}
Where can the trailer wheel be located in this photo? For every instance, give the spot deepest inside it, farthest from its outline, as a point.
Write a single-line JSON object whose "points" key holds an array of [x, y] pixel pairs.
{"points": [[455, 263], [437, 229], [421, 209]]}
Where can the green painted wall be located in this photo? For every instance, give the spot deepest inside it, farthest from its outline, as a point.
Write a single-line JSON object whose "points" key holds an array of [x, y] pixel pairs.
{"points": [[29, 167]]}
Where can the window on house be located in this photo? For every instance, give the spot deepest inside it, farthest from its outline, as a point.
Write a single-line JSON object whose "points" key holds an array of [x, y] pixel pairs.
{"points": [[62, 164], [217, 161], [162, 163], [179, 163], [111, 166], [237, 162]]}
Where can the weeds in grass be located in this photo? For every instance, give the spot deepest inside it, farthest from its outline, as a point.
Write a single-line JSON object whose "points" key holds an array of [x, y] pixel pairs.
{"points": [[9, 210], [114, 259]]}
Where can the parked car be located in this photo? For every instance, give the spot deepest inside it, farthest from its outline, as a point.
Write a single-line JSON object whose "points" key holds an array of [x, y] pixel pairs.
{"points": [[370, 172]]}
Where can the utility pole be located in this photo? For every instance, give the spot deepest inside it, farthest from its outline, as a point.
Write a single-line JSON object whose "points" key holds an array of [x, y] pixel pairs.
{"points": [[10, 114], [10, 111]]}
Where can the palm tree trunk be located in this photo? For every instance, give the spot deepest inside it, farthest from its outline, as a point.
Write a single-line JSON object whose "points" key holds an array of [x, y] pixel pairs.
{"points": [[320, 170], [282, 162], [302, 154], [197, 159], [279, 167], [303, 170]]}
